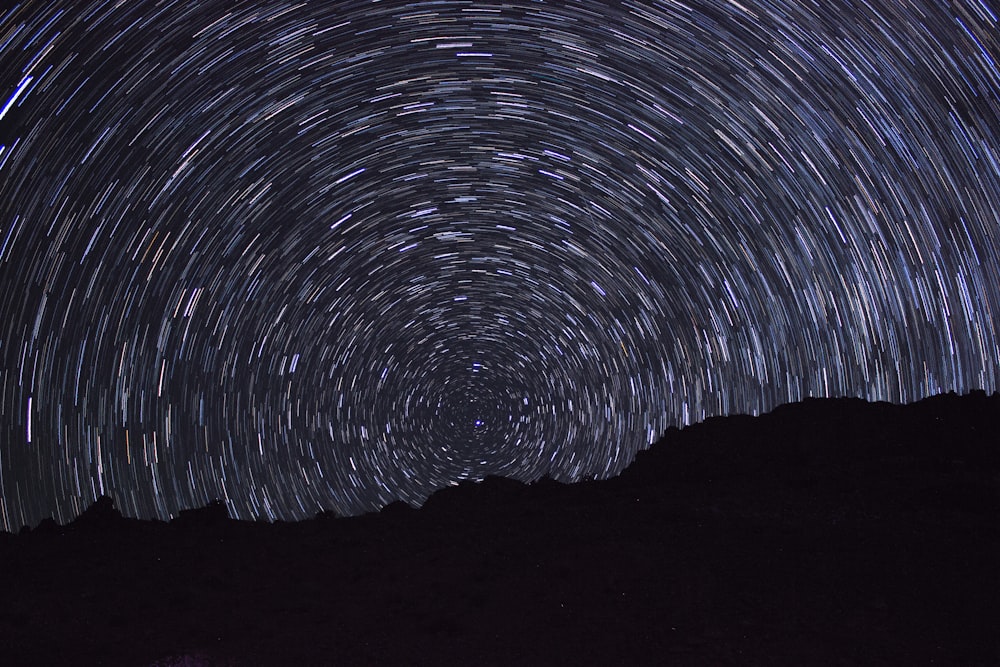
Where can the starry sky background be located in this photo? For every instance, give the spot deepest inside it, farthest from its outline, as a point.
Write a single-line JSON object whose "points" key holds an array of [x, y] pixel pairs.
{"points": [[327, 255]]}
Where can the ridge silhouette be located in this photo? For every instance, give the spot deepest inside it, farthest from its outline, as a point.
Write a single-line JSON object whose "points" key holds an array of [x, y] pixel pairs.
{"points": [[831, 531]]}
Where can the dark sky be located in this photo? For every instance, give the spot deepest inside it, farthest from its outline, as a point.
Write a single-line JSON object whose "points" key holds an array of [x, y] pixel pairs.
{"points": [[324, 255]]}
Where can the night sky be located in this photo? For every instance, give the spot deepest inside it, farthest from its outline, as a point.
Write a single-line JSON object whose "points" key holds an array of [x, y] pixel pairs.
{"points": [[328, 255]]}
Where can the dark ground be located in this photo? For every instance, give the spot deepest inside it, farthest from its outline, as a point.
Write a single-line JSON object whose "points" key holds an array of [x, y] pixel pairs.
{"points": [[830, 532]]}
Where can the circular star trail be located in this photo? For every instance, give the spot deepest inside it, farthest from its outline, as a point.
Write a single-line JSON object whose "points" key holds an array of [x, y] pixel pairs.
{"points": [[327, 255]]}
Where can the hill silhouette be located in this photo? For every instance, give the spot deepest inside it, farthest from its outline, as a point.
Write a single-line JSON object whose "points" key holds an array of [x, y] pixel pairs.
{"points": [[827, 532]]}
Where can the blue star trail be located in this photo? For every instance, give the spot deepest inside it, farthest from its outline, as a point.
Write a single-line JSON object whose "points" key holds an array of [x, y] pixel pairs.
{"points": [[328, 255]]}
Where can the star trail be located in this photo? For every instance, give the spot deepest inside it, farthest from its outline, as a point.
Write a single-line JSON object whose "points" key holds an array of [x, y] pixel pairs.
{"points": [[328, 255]]}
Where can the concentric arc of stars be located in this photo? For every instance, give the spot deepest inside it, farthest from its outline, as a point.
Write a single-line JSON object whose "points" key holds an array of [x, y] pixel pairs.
{"points": [[324, 256]]}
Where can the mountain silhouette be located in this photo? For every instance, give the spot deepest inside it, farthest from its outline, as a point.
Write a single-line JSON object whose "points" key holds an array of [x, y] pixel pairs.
{"points": [[102, 512], [826, 532]]}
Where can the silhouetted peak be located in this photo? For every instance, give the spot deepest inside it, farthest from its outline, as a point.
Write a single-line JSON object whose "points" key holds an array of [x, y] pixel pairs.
{"points": [[101, 513], [48, 525]]}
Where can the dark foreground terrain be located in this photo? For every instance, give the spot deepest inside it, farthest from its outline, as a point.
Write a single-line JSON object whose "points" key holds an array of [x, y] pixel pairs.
{"points": [[830, 532]]}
